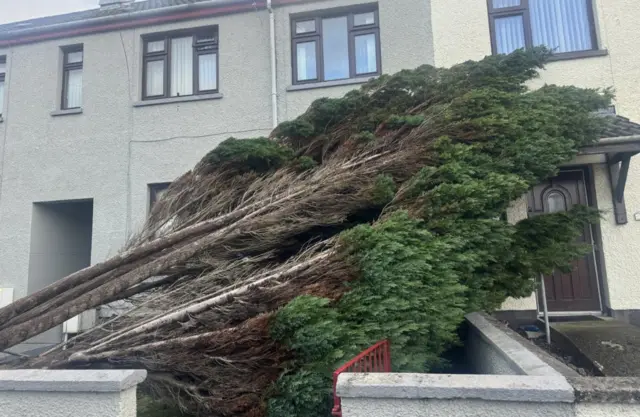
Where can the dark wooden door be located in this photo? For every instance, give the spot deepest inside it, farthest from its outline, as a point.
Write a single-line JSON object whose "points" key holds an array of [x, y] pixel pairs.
{"points": [[577, 290]]}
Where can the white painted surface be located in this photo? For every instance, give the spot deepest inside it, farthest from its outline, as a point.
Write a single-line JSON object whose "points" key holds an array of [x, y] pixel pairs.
{"points": [[409, 395], [42, 393], [355, 407], [6, 296]]}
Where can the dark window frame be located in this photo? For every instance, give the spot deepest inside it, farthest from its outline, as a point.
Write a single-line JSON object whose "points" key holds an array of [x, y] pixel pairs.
{"points": [[3, 60], [154, 190], [316, 36], [199, 48], [66, 68], [524, 11]]}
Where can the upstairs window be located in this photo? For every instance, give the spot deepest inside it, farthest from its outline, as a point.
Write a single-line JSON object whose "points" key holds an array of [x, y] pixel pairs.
{"points": [[564, 26], [334, 45], [181, 64], [156, 191], [72, 77], [3, 71]]}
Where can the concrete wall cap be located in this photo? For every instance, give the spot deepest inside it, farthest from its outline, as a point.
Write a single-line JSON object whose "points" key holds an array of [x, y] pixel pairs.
{"points": [[614, 390], [70, 381], [511, 350], [512, 388]]}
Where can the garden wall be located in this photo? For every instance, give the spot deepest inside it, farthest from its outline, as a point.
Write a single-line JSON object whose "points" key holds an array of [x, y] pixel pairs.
{"points": [[46, 393], [516, 382]]}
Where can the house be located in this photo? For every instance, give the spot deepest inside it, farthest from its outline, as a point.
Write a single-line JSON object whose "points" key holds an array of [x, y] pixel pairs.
{"points": [[101, 109]]}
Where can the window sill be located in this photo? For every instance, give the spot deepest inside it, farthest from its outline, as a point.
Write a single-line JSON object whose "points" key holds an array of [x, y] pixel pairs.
{"points": [[65, 112], [327, 84], [173, 100], [578, 54]]}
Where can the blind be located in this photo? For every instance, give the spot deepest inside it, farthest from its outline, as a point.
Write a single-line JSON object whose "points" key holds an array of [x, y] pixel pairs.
{"points": [[335, 48], [207, 72], [561, 25], [74, 89], [366, 54], [1, 97], [509, 34], [182, 66]]}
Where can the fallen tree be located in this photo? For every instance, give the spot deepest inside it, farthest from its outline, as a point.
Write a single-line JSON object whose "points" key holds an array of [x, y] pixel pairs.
{"points": [[376, 215]]}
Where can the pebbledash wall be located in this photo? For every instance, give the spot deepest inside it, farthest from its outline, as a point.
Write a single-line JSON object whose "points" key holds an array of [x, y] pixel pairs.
{"points": [[461, 32], [87, 393], [116, 147]]}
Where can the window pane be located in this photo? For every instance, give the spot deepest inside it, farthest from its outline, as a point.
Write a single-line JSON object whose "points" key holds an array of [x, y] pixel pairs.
{"points": [[1, 96], [556, 202], [364, 19], [509, 34], [74, 89], [206, 38], [156, 46], [155, 78], [207, 72], [500, 4], [366, 54], [306, 61], [335, 48], [306, 27], [182, 66], [3, 67], [561, 25], [74, 57]]}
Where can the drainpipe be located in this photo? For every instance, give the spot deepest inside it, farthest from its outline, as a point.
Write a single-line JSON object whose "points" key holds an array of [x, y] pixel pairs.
{"points": [[274, 79]]}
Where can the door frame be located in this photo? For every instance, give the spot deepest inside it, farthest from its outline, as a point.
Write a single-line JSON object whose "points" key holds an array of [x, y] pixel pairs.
{"points": [[596, 240]]}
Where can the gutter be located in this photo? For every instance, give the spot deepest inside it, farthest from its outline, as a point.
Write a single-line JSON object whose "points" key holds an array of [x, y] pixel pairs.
{"points": [[127, 20], [274, 79]]}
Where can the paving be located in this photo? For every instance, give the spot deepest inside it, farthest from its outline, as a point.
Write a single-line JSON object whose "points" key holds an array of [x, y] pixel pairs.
{"points": [[613, 347]]}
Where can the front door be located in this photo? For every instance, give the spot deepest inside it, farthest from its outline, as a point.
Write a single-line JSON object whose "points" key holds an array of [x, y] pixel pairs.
{"points": [[577, 290]]}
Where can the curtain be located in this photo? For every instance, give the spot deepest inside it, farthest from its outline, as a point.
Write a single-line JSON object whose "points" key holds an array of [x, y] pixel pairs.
{"points": [[499, 4], [509, 33], [74, 89], [182, 66], [306, 61], [155, 78], [366, 54], [207, 72], [561, 25], [335, 48], [1, 96]]}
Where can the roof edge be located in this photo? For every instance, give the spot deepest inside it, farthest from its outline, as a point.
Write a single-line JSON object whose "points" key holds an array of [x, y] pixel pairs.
{"points": [[128, 20]]}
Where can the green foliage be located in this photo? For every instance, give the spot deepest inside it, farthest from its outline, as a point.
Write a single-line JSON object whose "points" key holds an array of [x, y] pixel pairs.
{"points": [[245, 155], [304, 163], [364, 137], [384, 190], [303, 393], [396, 122], [408, 293], [443, 247]]}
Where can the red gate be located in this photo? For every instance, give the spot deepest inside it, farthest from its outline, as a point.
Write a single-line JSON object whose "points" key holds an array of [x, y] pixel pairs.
{"points": [[375, 359]]}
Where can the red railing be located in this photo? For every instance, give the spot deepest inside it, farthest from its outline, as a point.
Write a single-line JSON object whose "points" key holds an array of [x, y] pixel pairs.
{"points": [[375, 359]]}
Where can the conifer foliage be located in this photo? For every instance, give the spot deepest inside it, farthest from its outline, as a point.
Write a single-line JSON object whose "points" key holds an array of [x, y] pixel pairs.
{"points": [[376, 215]]}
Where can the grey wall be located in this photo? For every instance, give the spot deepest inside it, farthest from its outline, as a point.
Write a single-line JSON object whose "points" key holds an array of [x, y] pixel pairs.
{"points": [[113, 149], [491, 351], [60, 245], [60, 241]]}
